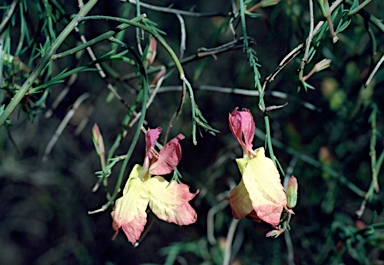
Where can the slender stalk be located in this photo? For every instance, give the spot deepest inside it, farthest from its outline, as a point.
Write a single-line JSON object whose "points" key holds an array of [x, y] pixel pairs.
{"points": [[8, 16], [357, 9], [98, 39], [260, 89], [44, 61], [149, 30]]}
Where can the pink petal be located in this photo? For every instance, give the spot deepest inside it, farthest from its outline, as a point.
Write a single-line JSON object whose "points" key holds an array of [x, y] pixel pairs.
{"points": [[168, 158], [240, 202], [242, 126], [150, 139], [129, 212], [170, 201]]}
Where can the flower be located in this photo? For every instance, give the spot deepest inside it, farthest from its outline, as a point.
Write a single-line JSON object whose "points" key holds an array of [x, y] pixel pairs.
{"points": [[169, 201], [243, 128], [259, 195]]}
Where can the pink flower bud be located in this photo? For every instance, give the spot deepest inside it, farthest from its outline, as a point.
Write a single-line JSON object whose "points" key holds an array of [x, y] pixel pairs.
{"points": [[98, 139]]}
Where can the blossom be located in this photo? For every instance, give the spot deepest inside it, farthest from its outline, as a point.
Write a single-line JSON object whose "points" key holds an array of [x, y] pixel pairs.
{"points": [[259, 195], [169, 201]]}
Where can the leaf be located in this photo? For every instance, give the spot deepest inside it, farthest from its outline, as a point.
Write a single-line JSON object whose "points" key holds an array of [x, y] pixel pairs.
{"points": [[262, 181]]}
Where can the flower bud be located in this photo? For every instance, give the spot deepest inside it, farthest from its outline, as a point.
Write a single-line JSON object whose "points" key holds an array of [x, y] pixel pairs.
{"points": [[97, 139], [292, 192], [275, 233], [323, 64]]}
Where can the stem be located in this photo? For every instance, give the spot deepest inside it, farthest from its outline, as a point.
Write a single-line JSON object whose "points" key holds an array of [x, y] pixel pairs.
{"points": [[44, 61], [373, 148], [98, 39], [256, 73], [361, 6], [150, 31]]}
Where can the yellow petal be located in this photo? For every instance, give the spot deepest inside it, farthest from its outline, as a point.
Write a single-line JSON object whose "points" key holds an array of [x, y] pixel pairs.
{"points": [[262, 181], [240, 202], [169, 201], [130, 210]]}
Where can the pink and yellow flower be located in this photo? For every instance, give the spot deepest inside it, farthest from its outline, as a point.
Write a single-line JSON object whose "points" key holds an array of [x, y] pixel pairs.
{"points": [[259, 195], [169, 201]]}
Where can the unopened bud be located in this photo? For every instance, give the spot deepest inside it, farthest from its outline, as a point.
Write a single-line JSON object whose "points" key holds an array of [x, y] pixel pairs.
{"points": [[275, 233], [292, 192], [323, 64], [97, 139], [151, 54]]}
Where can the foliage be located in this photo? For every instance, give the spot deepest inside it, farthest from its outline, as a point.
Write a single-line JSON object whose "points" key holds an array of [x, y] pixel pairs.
{"points": [[309, 71]]}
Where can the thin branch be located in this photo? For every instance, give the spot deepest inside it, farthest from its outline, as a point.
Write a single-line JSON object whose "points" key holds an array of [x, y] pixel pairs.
{"points": [[211, 220], [176, 11], [183, 45], [244, 92], [63, 124], [310, 35], [374, 71], [228, 242], [8, 16], [286, 60]]}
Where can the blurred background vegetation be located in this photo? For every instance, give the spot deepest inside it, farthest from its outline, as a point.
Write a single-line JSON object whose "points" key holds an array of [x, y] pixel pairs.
{"points": [[330, 135]]}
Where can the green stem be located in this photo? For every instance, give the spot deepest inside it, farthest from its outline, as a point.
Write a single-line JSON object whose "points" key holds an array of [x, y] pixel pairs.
{"points": [[98, 39], [357, 9], [367, 16], [148, 30], [253, 63], [133, 143], [375, 183], [44, 61], [243, 23], [138, 13]]}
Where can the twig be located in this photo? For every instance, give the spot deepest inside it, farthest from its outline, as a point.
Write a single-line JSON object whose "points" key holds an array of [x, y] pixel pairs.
{"points": [[176, 113], [286, 60], [374, 186], [244, 92], [288, 242], [201, 53], [150, 100], [357, 9], [1, 58], [63, 124], [374, 71], [228, 242], [310, 34], [211, 222], [176, 11], [8, 16], [62, 95], [183, 38]]}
